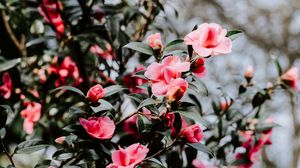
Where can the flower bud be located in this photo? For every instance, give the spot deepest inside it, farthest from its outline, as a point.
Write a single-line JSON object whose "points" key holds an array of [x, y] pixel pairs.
{"points": [[249, 73], [95, 93], [192, 134], [60, 140], [155, 42]]}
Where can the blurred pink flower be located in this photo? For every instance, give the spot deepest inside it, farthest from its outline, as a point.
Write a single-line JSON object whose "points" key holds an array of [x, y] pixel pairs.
{"points": [[31, 114], [291, 78], [6, 87], [95, 93], [209, 39], [99, 127], [50, 11], [66, 70], [60, 140], [192, 134], [249, 72], [130, 124], [200, 164], [132, 82], [155, 42], [176, 89], [105, 54], [128, 157]]}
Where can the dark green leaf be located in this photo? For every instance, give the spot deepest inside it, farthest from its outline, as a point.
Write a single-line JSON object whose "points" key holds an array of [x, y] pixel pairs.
{"points": [[173, 43], [140, 47], [6, 65], [63, 154], [278, 66], [177, 122], [3, 115], [30, 146], [110, 90], [140, 123], [147, 102], [149, 164], [233, 32], [70, 88], [193, 116], [200, 147], [104, 106]]}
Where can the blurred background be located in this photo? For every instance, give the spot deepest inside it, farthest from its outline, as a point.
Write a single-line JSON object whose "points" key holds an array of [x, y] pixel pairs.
{"points": [[271, 29]]}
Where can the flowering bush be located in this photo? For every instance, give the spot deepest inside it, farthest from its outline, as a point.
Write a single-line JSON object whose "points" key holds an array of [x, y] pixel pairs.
{"points": [[74, 88]]}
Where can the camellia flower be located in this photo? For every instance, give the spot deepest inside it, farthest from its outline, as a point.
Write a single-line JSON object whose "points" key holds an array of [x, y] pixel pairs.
{"points": [[198, 67], [132, 82], [192, 134], [66, 70], [105, 54], [60, 140], [49, 9], [200, 164], [291, 78], [95, 93], [99, 127], [6, 88], [209, 39], [165, 77], [155, 42], [128, 157], [31, 114]]}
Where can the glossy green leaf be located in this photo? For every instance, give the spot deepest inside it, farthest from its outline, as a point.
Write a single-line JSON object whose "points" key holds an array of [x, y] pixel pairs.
{"points": [[104, 106], [111, 90], [200, 147], [6, 65], [63, 154], [69, 88], [147, 102], [30, 146], [173, 43], [140, 47]]}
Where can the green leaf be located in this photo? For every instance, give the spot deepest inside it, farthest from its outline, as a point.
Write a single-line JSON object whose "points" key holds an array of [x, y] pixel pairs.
{"points": [[140, 123], [69, 88], [44, 164], [6, 65], [147, 102], [150, 164], [177, 124], [173, 43], [278, 66], [140, 47], [110, 90], [30, 146], [200, 147], [76, 110], [200, 85], [63, 154], [232, 34], [104, 106], [193, 116]]}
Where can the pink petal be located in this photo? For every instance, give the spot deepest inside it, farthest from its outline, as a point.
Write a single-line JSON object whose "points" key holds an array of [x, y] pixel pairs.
{"points": [[153, 71], [159, 88], [120, 157], [224, 47]]}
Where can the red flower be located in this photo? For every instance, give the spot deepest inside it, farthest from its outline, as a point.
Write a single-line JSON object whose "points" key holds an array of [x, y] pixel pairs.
{"points": [[49, 9], [291, 78], [105, 54], [6, 88], [198, 67], [99, 127], [95, 93], [67, 70], [192, 134]]}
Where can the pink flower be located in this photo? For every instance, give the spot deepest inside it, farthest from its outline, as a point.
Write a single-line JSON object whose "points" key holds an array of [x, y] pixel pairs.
{"points": [[129, 157], [176, 89], [249, 72], [198, 67], [105, 54], [225, 104], [50, 11], [95, 93], [154, 41], [165, 77], [60, 140], [66, 70], [6, 88], [192, 134], [291, 78], [132, 82], [99, 127], [31, 114], [209, 39]]}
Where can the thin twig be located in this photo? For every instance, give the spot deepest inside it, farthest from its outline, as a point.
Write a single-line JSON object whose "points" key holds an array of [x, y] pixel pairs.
{"points": [[7, 154]]}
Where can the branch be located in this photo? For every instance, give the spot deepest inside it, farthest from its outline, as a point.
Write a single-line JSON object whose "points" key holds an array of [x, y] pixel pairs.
{"points": [[7, 154]]}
